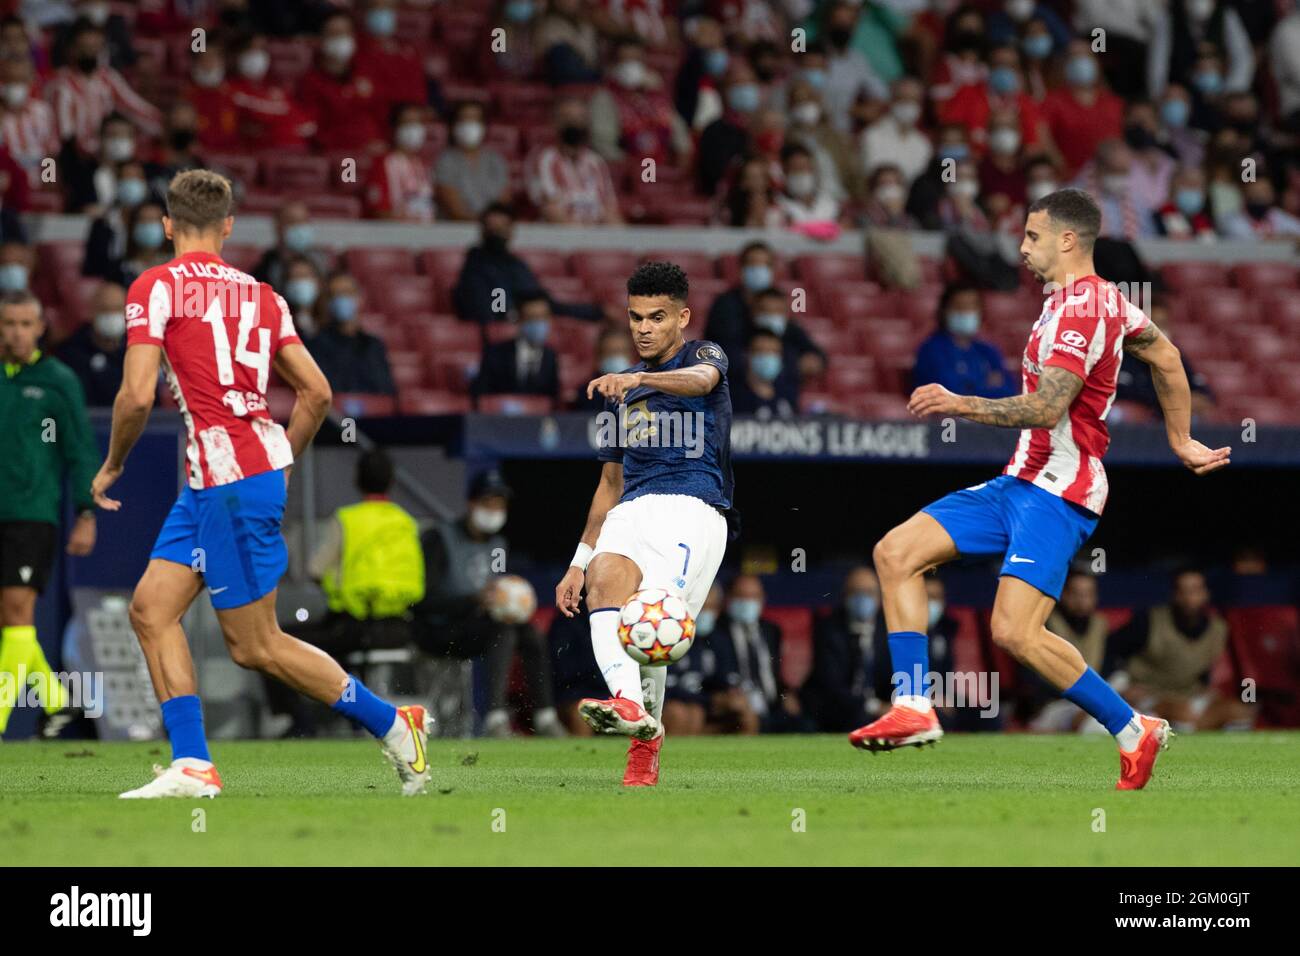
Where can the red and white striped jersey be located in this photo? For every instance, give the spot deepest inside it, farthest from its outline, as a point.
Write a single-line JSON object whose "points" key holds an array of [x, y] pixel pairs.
{"points": [[219, 329], [30, 135], [81, 101], [1082, 329], [401, 186], [581, 186]]}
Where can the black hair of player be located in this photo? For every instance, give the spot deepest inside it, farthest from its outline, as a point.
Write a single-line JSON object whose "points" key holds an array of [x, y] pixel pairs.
{"points": [[659, 278], [1072, 209], [374, 472]]}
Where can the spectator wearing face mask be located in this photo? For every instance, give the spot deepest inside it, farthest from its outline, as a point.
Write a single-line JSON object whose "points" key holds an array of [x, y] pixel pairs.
{"points": [[765, 391], [887, 203], [802, 200], [27, 126], [96, 351], [750, 201], [469, 176], [392, 64], [1152, 165], [839, 168], [731, 317], [894, 139], [851, 79], [1009, 20], [1001, 173], [1260, 217], [1082, 113], [400, 186], [457, 620], [568, 181], [849, 682], [962, 61], [958, 207], [85, 91], [515, 56], [1180, 35], [178, 150], [568, 43], [16, 263], [146, 242], [110, 232], [99, 13], [209, 91], [1183, 215], [345, 102], [1109, 179], [1003, 91], [613, 355], [801, 357], [1039, 47], [352, 359], [631, 115], [268, 117], [294, 236], [696, 90], [491, 266], [748, 694], [1129, 26], [524, 365], [90, 182], [1040, 179], [956, 358], [302, 290], [728, 137], [1174, 134]]}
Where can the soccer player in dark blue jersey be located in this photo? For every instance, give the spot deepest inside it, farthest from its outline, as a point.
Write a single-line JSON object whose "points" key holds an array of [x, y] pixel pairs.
{"points": [[659, 517]]}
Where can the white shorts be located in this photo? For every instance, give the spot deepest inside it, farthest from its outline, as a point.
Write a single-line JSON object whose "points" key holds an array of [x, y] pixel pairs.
{"points": [[676, 540]]}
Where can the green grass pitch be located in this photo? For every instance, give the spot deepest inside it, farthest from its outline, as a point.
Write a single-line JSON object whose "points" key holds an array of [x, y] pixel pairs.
{"points": [[971, 800]]}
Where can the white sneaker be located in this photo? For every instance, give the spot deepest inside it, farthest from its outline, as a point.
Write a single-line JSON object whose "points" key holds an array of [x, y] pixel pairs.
{"points": [[406, 747], [187, 777]]}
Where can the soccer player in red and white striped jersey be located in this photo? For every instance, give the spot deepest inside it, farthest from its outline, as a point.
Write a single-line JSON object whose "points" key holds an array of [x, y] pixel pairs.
{"points": [[218, 332], [1047, 502]]}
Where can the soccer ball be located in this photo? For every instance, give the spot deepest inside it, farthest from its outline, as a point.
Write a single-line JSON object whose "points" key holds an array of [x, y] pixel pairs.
{"points": [[513, 600], [655, 628]]}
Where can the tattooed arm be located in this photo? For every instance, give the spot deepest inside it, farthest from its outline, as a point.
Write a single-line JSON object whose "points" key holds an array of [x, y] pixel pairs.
{"points": [[1175, 396], [1042, 408]]}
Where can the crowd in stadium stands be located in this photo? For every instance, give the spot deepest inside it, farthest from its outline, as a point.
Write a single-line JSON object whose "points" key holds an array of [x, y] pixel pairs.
{"points": [[1181, 116]]}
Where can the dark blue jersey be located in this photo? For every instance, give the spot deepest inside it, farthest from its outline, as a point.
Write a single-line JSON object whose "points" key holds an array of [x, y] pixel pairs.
{"points": [[673, 444]]}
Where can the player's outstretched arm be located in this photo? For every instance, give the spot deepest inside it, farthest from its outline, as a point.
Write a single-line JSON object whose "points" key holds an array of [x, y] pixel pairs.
{"points": [[690, 382], [1175, 396], [130, 414], [312, 394], [1041, 408], [608, 491]]}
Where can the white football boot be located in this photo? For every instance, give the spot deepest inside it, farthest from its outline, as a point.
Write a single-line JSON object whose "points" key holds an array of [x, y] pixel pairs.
{"points": [[406, 747], [187, 778]]}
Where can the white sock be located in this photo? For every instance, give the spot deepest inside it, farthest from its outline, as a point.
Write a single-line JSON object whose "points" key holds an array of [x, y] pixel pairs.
{"points": [[497, 716], [545, 716], [653, 682], [1130, 734], [915, 701], [622, 674]]}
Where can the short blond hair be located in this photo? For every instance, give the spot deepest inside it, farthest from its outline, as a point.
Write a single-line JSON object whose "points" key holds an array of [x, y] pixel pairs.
{"points": [[199, 199]]}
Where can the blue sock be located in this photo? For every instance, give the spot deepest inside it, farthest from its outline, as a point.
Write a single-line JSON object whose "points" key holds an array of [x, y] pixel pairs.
{"points": [[1100, 700], [183, 718], [359, 703], [909, 654]]}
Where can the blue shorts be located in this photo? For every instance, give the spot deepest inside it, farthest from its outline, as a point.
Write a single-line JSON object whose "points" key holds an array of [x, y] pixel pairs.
{"points": [[1038, 531], [231, 535]]}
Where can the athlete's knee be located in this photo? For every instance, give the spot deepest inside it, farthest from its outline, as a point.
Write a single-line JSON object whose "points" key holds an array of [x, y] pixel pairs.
{"points": [[891, 556], [145, 617], [1012, 635], [250, 653]]}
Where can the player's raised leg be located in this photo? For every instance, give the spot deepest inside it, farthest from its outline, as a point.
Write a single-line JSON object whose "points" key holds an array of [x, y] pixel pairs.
{"points": [[902, 558], [1019, 627], [611, 580], [256, 642], [161, 599]]}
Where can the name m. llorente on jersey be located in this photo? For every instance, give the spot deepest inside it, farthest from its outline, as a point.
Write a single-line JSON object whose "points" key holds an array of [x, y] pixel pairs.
{"points": [[635, 426]]}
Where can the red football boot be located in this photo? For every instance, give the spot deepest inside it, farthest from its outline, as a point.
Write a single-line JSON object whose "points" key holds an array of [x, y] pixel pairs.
{"points": [[618, 715], [1137, 765], [643, 762], [899, 727]]}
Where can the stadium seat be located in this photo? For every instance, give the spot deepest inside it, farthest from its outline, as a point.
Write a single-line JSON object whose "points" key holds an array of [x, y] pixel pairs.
{"points": [[830, 270], [848, 376], [409, 370], [504, 139], [515, 405], [453, 371], [796, 624], [410, 294], [1264, 643], [241, 255], [546, 263], [332, 206], [854, 301], [1222, 308], [1181, 276], [881, 407], [1265, 276], [293, 172], [360, 405], [697, 265], [444, 333], [379, 263], [425, 401], [62, 258], [1282, 310], [594, 264]]}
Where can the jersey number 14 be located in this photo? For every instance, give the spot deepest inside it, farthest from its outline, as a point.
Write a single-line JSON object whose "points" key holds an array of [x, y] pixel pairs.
{"points": [[259, 361]]}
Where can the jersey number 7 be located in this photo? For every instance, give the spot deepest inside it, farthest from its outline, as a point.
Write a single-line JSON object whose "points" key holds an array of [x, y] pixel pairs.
{"points": [[260, 360]]}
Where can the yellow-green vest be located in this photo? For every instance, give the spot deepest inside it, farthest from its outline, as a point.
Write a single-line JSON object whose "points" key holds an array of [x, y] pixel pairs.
{"points": [[381, 566]]}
